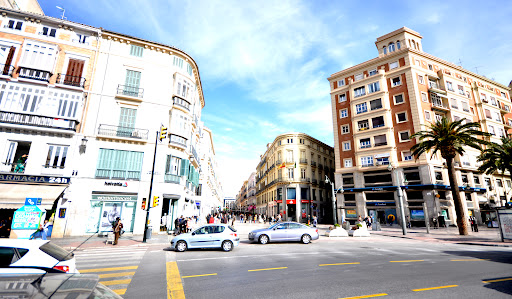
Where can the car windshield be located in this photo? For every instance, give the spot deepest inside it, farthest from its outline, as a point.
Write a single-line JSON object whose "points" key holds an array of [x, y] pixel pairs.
{"points": [[56, 252]]}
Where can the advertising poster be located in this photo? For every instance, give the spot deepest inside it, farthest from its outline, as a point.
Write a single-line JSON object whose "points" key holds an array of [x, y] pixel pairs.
{"points": [[351, 213], [27, 217], [111, 210], [417, 215], [505, 219]]}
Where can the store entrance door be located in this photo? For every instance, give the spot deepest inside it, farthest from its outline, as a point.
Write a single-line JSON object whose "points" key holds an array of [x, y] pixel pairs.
{"points": [[291, 212]]}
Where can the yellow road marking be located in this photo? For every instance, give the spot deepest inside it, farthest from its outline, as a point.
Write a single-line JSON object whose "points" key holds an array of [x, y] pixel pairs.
{"points": [[108, 269], [366, 296], [469, 260], [116, 274], [407, 261], [189, 276], [267, 269], [496, 280], [322, 265], [435, 288], [114, 282], [174, 285], [119, 291]]}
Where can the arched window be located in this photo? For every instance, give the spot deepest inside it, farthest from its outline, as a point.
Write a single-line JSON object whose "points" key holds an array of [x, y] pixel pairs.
{"points": [[385, 50], [398, 45], [391, 47]]}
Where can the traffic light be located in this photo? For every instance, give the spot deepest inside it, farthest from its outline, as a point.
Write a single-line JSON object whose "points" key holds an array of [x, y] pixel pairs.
{"points": [[155, 201], [143, 204], [163, 133]]}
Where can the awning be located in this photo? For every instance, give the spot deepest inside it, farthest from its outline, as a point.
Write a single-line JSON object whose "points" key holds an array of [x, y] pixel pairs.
{"points": [[12, 196], [171, 196]]}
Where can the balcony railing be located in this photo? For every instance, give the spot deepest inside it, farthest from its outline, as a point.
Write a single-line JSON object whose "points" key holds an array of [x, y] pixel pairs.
{"points": [[178, 101], [172, 178], [313, 163], [70, 80], [37, 120], [117, 174], [303, 161], [7, 70], [177, 140], [381, 143], [194, 153], [305, 180], [314, 181], [34, 74], [123, 132], [131, 91]]}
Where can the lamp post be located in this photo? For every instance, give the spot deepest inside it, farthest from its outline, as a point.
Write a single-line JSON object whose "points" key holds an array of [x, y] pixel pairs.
{"points": [[400, 198], [334, 192]]}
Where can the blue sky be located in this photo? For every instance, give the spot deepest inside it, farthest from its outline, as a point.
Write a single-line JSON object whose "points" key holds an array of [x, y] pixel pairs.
{"points": [[264, 64]]}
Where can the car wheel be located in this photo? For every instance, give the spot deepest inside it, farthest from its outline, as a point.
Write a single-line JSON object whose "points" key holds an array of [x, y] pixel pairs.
{"points": [[263, 239], [181, 246], [305, 239], [227, 245]]}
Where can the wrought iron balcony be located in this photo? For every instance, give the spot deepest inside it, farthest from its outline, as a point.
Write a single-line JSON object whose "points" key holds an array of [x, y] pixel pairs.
{"points": [[122, 132], [172, 178], [313, 163], [303, 161], [34, 74], [117, 174], [7, 70], [37, 120], [131, 91], [181, 102], [70, 80], [314, 181]]}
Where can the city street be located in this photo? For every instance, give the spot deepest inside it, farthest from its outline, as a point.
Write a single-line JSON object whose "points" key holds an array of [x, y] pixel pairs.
{"points": [[327, 268]]}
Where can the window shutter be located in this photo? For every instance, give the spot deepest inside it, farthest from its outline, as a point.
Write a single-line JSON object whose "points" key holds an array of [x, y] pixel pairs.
{"points": [[168, 165], [74, 71], [184, 167], [132, 79]]}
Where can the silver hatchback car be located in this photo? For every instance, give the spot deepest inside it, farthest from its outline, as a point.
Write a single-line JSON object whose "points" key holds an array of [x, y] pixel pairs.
{"points": [[208, 236], [285, 231]]}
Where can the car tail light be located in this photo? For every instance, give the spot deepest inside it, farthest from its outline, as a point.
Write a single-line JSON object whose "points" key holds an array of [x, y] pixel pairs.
{"points": [[317, 230], [234, 235], [62, 268]]}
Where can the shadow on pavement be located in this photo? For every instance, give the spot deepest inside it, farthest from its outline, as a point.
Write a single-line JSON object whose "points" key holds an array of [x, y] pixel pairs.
{"points": [[494, 256], [500, 284]]}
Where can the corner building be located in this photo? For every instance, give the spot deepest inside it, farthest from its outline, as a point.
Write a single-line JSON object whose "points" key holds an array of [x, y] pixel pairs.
{"points": [[378, 104]]}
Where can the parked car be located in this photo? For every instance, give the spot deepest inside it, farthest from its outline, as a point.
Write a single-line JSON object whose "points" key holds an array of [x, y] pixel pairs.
{"points": [[208, 236], [51, 285], [18, 255], [284, 231]]}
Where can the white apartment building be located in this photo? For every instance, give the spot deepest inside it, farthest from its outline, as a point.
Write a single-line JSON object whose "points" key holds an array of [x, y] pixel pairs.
{"points": [[211, 192]]}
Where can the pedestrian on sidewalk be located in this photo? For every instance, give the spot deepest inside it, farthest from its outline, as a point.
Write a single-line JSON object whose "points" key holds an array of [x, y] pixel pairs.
{"points": [[434, 221], [117, 230], [408, 222], [474, 224], [315, 221]]}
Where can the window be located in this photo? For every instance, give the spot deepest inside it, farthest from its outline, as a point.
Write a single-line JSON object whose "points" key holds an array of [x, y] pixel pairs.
{"points": [[424, 97], [380, 140], [432, 83], [461, 89], [14, 24], [173, 165], [81, 39], [439, 176], [289, 140], [301, 141], [365, 143], [136, 50], [361, 108], [401, 117], [404, 136], [189, 69], [132, 82], [359, 77], [385, 50], [378, 121], [509, 184], [420, 79], [399, 98], [343, 113], [449, 86], [428, 117], [454, 104], [289, 156], [303, 173], [127, 119], [360, 91], [38, 56], [373, 87], [488, 113], [382, 161], [375, 104], [499, 183], [491, 129], [430, 67], [363, 125], [119, 164], [503, 95], [341, 82], [372, 72], [177, 61], [345, 129], [438, 117], [398, 44], [347, 162], [493, 101], [346, 145], [393, 65], [465, 106], [342, 98], [476, 179], [49, 31], [406, 156], [391, 47], [56, 157], [367, 161], [395, 81]]}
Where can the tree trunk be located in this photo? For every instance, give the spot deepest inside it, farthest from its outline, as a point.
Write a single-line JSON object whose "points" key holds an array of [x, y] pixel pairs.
{"points": [[462, 221]]}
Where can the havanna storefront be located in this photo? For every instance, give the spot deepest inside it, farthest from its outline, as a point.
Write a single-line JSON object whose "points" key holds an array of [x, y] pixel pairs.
{"points": [[106, 207]]}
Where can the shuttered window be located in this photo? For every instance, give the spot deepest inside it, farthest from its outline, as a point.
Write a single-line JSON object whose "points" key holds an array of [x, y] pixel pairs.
{"points": [[119, 164], [127, 119], [136, 50], [132, 83]]}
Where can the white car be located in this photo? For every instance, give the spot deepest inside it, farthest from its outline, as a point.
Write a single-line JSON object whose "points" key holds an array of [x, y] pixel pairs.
{"points": [[25, 256]]}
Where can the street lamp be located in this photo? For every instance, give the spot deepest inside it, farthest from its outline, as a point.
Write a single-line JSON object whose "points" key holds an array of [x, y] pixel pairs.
{"points": [[334, 192], [400, 198], [63, 11]]}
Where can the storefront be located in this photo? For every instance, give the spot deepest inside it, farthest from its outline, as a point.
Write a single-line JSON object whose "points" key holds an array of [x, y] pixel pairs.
{"points": [[105, 208]]}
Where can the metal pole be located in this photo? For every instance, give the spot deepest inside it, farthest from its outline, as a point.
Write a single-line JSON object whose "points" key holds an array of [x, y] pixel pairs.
{"points": [[400, 203], [333, 202], [150, 191], [427, 222]]}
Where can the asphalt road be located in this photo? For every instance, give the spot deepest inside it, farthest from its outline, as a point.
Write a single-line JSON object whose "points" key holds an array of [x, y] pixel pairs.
{"points": [[341, 268]]}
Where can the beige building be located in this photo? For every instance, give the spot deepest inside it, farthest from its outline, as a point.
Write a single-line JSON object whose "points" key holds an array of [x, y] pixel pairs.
{"points": [[378, 104], [291, 178]]}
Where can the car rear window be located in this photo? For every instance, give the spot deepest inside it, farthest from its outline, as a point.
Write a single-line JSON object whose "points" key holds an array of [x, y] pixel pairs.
{"points": [[56, 252], [232, 228], [218, 229], [6, 256]]}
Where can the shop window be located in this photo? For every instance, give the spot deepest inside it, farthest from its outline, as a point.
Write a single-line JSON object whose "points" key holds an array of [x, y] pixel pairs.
{"points": [[439, 176]]}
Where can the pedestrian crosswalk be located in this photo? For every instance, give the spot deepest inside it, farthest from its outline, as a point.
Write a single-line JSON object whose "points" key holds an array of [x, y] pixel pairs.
{"points": [[114, 265]]}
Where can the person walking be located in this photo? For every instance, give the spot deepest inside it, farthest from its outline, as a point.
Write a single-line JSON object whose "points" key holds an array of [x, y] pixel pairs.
{"points": [[117, 230], [315, 221]]}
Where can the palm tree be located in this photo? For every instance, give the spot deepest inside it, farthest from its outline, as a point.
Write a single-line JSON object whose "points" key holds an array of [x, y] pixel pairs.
{"points": [[450, 138], [497, 158]]}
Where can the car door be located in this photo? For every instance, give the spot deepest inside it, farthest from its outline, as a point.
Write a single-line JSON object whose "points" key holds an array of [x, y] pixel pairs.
{"points": [[295, 231], [280, 232], [217, 235], [201, 237]]}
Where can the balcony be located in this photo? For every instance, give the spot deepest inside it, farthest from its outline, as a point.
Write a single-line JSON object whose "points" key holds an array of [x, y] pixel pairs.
{"points": [[178, 141], [381, 143], [194, 153], [130, 91], [7, 69], [37, 120], [172, 178], [303, 161], [314, 181], [117, 174], [122, 132], [34, 74], [180, 102], [367, 165], [320, 166], [437, 104], [305, 180], [313, 163], [74, 81]]}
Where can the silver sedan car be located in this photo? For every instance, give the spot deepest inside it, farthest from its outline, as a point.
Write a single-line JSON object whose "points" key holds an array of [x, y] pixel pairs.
{"points": [[208, 236], [284, 231]]}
